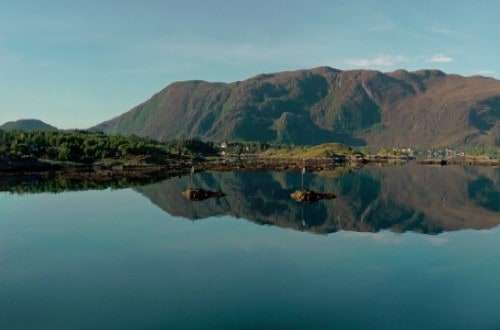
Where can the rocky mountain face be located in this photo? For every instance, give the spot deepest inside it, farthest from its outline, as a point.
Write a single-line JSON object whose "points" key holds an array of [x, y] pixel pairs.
{"points": [[359, 107], [27, 125]]}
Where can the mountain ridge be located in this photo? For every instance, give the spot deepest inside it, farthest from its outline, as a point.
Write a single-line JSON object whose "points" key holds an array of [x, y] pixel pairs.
{"points": [[312, 106], [27, 125]]}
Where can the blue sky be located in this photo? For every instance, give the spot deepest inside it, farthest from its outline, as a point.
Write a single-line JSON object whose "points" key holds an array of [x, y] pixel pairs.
{"points": [[77, 63]]}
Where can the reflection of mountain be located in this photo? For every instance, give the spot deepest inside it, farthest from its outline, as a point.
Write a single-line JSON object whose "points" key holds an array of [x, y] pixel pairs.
{"points": [[406, 198]]}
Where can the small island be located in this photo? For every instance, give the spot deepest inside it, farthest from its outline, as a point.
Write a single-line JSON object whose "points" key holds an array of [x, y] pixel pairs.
{"points": [[310, 196]]}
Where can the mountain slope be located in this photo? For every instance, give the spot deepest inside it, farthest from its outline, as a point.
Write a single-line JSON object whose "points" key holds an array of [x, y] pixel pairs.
{"points": [[27, 125], [358, 107]]}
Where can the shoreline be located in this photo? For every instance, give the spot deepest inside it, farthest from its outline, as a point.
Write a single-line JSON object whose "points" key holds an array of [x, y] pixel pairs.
{"points": [[9, 166], [35, 176], [463, 162], [117, 169]]}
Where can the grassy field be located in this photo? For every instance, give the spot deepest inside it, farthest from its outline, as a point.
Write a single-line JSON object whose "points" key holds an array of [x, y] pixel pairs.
{"points": [[319, 151]]}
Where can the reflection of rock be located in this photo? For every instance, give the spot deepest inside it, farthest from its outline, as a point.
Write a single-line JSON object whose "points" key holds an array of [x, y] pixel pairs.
{"points": [[201, 194], [400, 198], [310, 196]]}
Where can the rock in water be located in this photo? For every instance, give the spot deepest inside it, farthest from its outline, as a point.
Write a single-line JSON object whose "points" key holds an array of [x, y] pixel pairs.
{"points": [[310, 196], [201, 194]]}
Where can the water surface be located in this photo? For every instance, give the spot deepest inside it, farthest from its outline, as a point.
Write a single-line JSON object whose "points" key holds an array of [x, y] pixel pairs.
{"points": [[400, 247]]}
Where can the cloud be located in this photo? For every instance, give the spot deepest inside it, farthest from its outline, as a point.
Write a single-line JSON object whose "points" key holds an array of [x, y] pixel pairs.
{"points": [[440, 30], [440, 58], [380, 61], [486, 72], [449, 33]]}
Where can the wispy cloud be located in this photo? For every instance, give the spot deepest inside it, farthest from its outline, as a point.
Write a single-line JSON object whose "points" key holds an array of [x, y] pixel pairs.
{"points": [[440, 58], [486, 72], [441, 30], [11, 60], [449, 33], [380, 61]]}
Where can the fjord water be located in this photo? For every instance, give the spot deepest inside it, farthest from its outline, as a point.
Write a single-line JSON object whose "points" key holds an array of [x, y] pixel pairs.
{"points": [[400, 247]]}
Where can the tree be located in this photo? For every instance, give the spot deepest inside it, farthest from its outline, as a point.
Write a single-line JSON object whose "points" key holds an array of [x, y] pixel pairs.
{"points": [[64, 152]]}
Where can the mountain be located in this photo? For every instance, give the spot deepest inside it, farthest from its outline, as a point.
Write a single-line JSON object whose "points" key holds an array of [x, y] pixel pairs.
{"points": [[27, 125], [358, 107]]}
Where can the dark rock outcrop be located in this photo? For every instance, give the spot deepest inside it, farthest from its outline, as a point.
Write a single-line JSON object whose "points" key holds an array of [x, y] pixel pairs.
{"points": [[302, 195]]}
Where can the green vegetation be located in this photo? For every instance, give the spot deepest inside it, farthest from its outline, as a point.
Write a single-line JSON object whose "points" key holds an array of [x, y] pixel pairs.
{"points": [[485, 151], [192, 147], [89, 147], [323, 150], [76, 146]]}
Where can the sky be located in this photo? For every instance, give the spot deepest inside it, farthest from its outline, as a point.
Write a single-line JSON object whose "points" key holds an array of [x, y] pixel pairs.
{"points": [[75, 64]]}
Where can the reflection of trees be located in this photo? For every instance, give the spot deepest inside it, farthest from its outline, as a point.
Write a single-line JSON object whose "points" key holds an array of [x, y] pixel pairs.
{"points": [[405, 198], [41, 184]]}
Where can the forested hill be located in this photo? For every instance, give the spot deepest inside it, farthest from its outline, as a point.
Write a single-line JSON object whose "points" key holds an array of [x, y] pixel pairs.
{"points": [[359, 107], [86, 147]]}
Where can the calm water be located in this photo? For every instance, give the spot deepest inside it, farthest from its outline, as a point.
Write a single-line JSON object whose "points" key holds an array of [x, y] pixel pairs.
{"points": [[402, 247]]}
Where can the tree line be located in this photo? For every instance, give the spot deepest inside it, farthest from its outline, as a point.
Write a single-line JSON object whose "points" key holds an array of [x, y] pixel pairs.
{"points": [[88, 147]]}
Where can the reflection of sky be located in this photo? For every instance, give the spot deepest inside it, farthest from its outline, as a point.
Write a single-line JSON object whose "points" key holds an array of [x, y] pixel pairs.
{"points": [[112, 259]]}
